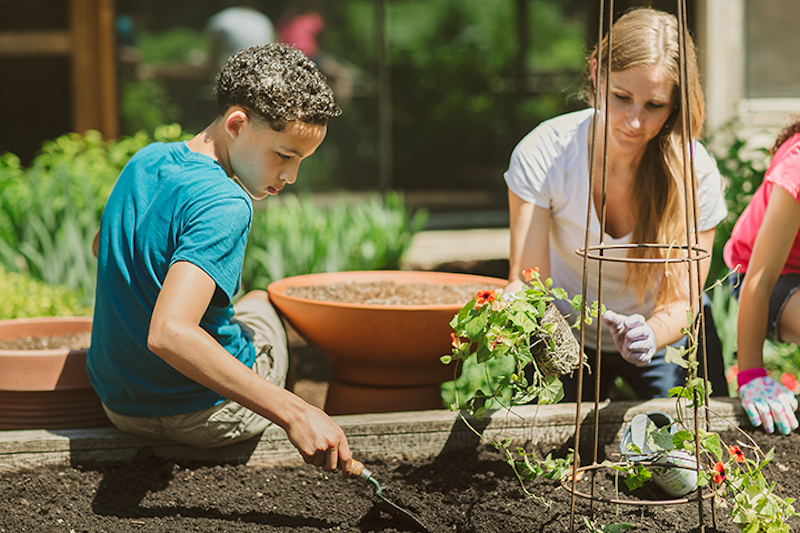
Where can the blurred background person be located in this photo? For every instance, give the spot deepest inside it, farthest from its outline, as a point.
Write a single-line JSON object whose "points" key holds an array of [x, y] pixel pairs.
{"points": [[302, 25], [235, 28]]}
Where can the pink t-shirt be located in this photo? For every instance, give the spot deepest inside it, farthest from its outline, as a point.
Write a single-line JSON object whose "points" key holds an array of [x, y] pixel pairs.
{"points": [[783, 171], [302, 32]]}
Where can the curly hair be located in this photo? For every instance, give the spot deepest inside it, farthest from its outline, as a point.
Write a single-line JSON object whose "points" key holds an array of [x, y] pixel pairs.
{"points": [[277, 83], [789, 131]]}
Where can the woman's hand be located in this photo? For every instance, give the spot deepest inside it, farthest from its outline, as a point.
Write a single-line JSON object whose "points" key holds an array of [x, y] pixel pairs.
{"points": [[634, 338]]}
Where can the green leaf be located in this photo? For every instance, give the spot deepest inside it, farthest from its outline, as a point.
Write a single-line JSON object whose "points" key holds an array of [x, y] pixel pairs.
{"points": [[616, 528], [711, 442], [676, 356], [552, 392], [661, 439], [637, 477]]}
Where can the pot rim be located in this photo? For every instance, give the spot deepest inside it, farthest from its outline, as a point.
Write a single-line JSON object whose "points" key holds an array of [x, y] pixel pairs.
{"points": [[277, 289], [13, 323]]}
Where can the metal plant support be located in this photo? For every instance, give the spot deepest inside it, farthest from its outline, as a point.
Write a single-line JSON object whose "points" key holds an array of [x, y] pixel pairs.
{"points": [[690, 254]]}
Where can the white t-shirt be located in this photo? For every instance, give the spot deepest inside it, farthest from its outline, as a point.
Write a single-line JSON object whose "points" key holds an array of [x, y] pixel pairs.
{"points": [[550, 168]]}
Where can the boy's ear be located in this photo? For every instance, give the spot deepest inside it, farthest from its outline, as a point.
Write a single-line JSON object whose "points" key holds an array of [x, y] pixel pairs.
{"points": [[235, 120], [594, 73]]}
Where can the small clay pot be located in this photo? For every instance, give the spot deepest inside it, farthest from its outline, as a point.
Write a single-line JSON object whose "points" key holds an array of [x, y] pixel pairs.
{"points": [[47, 389], [565, 355]]}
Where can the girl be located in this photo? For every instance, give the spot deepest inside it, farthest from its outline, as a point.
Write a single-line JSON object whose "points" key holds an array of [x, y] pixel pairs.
{"points": [[765, 246]]}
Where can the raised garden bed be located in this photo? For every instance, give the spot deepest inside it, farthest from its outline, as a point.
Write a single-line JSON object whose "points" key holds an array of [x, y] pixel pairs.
{"points": [[430, 461]]}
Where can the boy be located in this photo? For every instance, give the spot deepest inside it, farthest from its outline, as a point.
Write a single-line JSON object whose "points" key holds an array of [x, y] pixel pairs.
{"points": [[170, 356]]}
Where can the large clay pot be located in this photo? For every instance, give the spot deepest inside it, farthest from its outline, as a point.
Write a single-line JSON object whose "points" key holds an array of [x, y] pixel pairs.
{"points": [[46, 389], [384, 358]]}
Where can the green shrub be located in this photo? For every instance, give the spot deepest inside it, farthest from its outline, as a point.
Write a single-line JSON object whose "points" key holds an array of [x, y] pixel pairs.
{"points": [[742, 168], [146, 104], [25, 297], [49, 211], [296, 236], [178, 45]]}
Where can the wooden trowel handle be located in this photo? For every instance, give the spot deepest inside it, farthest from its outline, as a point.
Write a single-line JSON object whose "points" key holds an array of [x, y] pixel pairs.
{"points": [[358, 469]]}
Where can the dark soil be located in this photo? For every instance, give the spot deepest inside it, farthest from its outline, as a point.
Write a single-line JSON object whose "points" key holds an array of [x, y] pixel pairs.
{"points": [[388, 293], [468, 491], [74, 341]]}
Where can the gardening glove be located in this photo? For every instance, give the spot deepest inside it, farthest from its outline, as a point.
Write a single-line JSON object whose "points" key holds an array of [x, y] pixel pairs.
{"points": [[767, 401], [635, 339]]}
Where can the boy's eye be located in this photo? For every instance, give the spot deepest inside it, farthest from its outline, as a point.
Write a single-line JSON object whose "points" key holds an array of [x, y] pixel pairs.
{"points": [[283, 156]]}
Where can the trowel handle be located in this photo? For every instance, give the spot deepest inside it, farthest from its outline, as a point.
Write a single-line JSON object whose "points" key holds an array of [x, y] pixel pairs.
{"points": [[360, 470]]}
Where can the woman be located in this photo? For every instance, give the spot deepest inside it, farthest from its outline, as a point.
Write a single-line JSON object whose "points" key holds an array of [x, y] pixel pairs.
{"points": [[548, 182], [764, 248]]}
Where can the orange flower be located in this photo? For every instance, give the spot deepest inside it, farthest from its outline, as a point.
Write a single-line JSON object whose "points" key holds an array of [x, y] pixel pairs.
{"points": [[790, 382], [530, 273], [732, 373], [720, 476], [736, 453], [484, 297]]}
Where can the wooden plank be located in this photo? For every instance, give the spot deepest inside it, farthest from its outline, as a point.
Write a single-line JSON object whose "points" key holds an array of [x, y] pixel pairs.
{"points": [[34, 43], [93, 67], [107, 75], [85, 90], [401, 435]]}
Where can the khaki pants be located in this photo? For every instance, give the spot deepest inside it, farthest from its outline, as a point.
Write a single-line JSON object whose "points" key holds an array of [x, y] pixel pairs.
{"points": [[227, 422]]}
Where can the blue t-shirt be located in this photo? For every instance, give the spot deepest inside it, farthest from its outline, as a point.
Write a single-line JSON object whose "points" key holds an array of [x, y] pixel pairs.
{"points": [[169, 204]]}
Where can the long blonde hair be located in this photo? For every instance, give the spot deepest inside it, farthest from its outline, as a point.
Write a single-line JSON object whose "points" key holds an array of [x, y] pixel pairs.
{"points": [[644, 37]]}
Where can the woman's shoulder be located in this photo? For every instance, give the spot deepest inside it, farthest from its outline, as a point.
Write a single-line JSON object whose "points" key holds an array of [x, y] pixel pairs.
{"points": [[557, 134], [704, 162], [566, 126]]}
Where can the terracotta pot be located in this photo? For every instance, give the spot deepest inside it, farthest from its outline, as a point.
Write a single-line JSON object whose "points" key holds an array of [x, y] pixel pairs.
{"points": [[376, 350], [47, 389]]}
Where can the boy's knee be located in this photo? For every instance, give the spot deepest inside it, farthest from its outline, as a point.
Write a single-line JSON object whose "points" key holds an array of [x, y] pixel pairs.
{"points": [[256, 295]]}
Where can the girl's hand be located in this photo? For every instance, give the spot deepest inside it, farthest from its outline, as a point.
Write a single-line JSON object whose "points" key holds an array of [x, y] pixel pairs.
{"points": [[635, 339], [768, 402]]}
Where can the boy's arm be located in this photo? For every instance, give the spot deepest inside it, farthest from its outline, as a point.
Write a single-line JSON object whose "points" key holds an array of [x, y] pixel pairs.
{"points": [[176, 336]]}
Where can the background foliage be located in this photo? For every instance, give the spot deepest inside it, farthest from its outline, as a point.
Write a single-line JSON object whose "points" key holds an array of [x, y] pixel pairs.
{"points": [[457, 108], [50, 211]]}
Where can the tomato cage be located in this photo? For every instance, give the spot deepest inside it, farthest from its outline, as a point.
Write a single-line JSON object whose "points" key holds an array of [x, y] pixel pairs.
{"points": [[671, 255]]}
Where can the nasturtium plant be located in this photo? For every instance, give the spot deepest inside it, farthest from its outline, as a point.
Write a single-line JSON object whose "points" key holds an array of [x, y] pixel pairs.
{"points": [[494, 325]]}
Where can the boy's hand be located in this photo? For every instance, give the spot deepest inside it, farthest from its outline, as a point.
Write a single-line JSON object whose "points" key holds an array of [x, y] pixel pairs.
{"points": [[320, 441], [635, 339]]}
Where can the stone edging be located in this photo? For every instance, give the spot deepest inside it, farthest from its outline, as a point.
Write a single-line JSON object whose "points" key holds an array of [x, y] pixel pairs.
{"points": [[412, 434]]}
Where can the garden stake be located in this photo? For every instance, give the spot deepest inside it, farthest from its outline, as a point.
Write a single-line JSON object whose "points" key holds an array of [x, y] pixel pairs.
{"points": [[363, 472]]}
